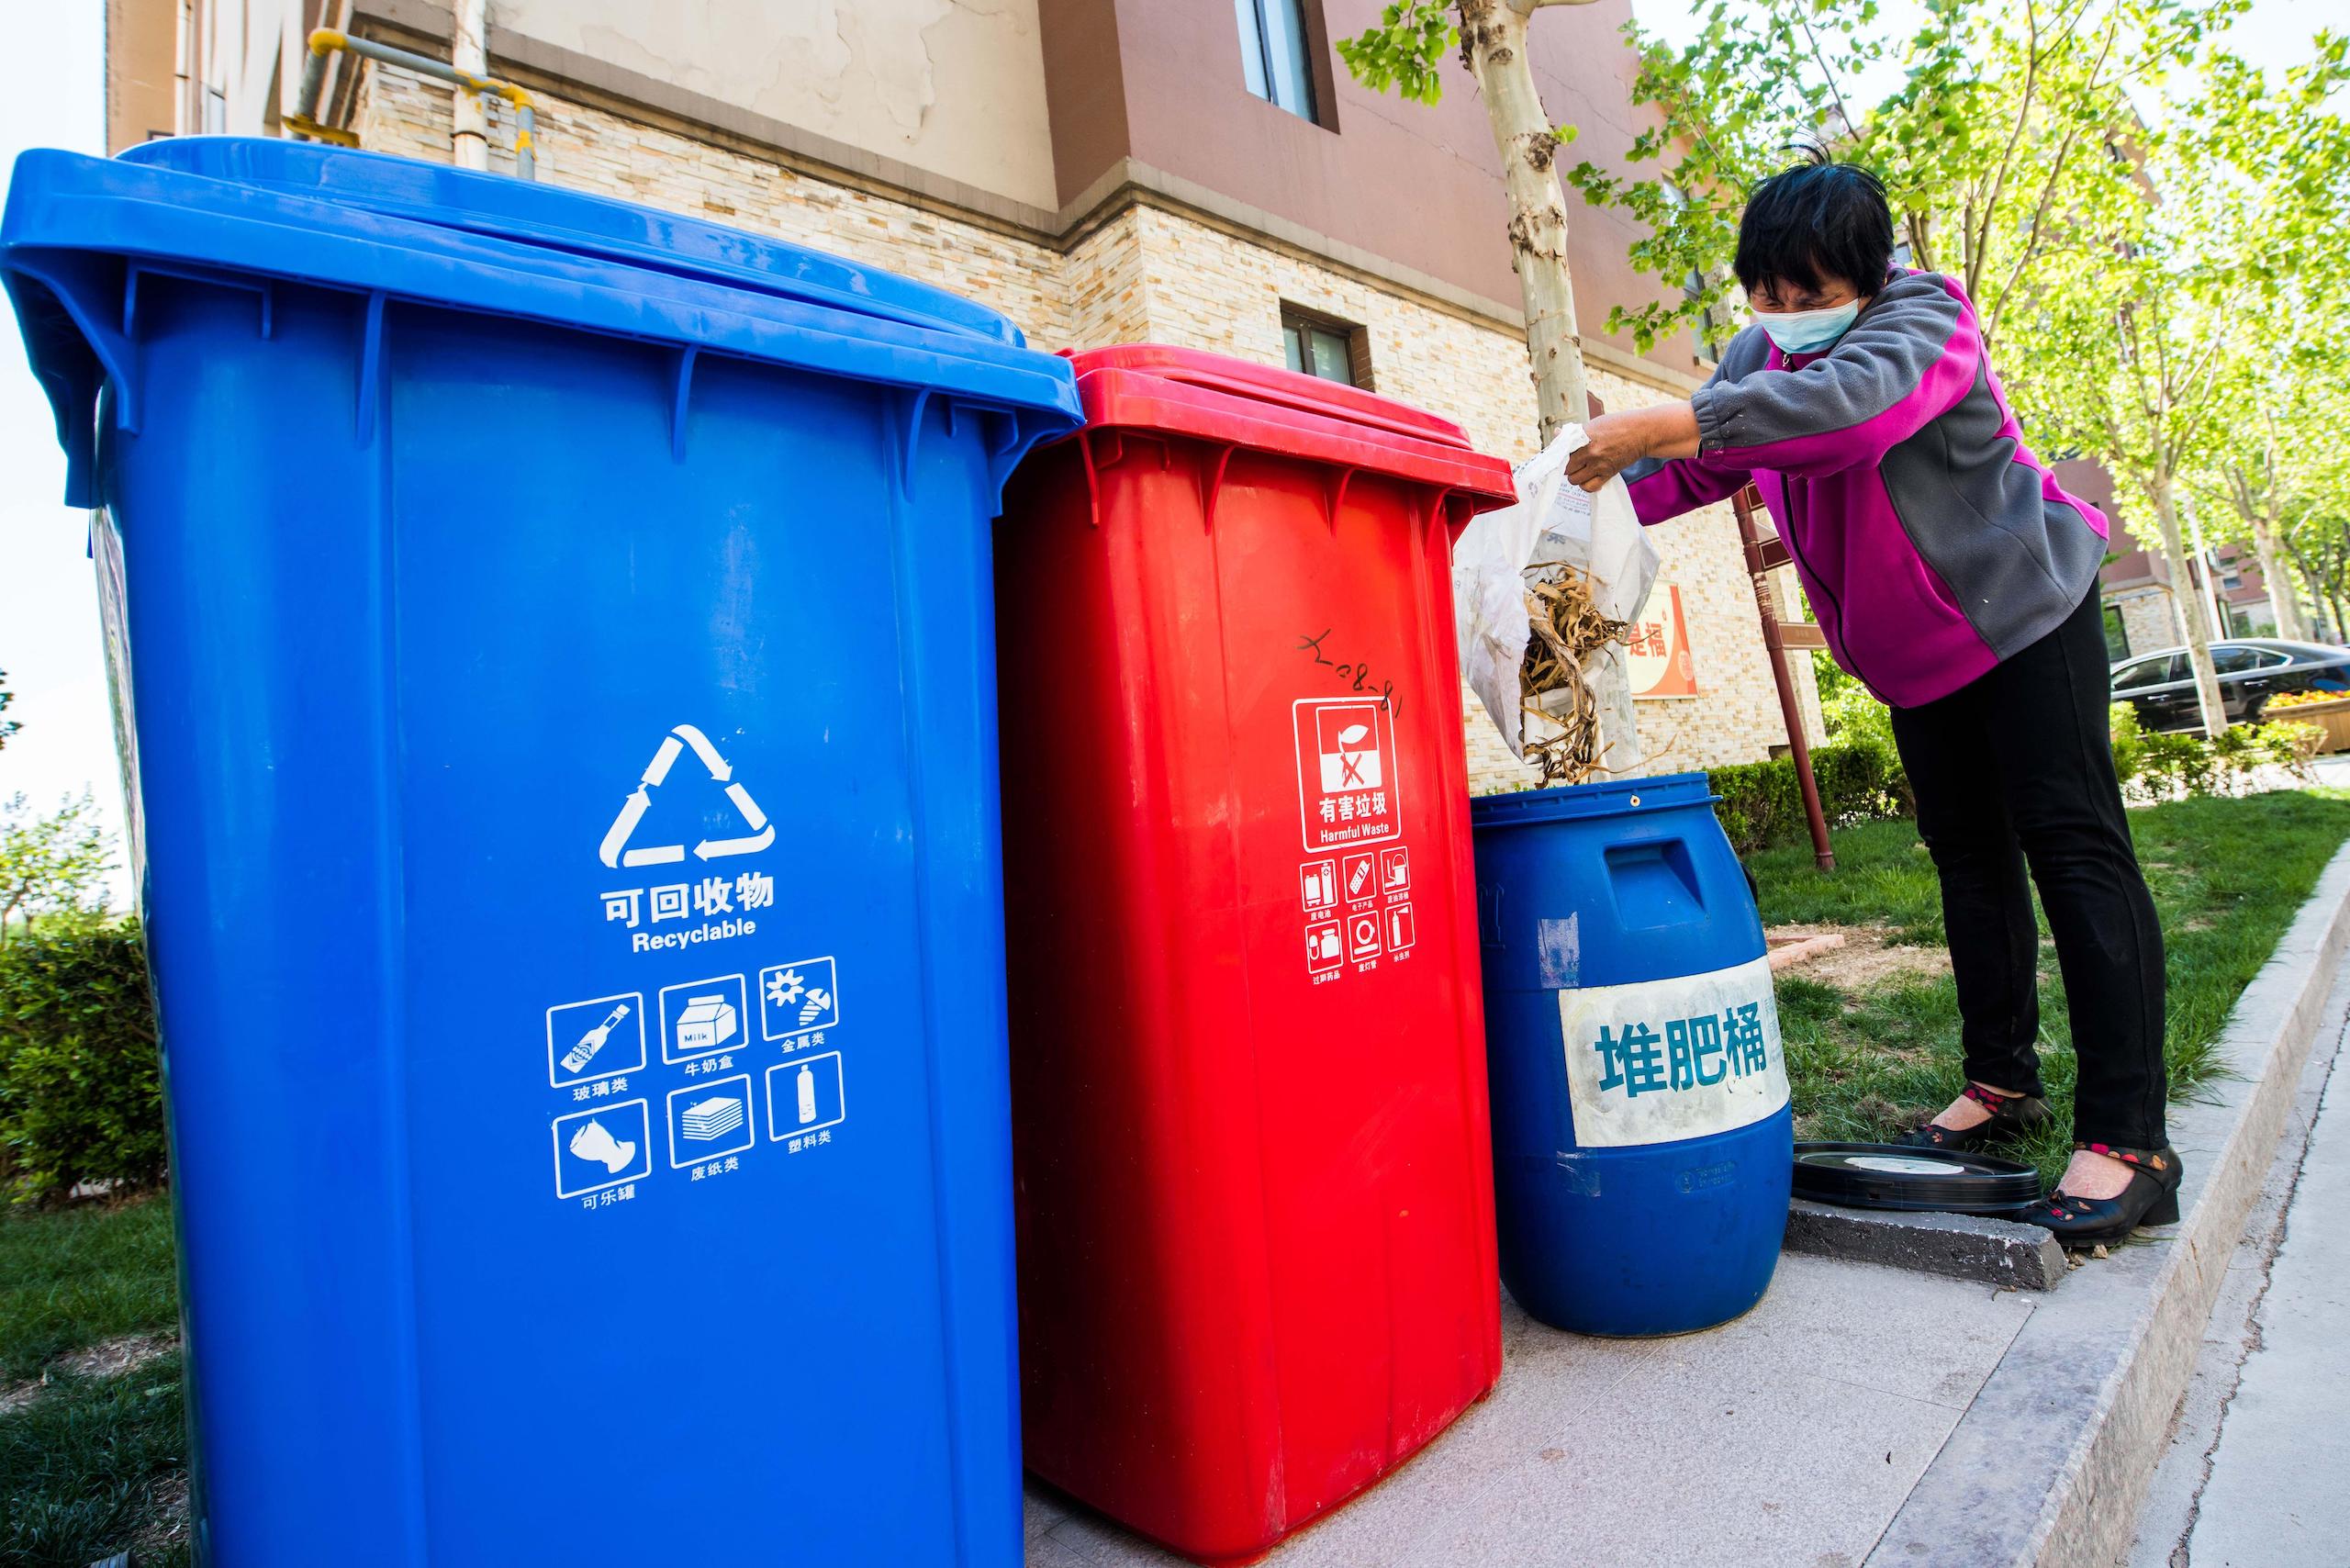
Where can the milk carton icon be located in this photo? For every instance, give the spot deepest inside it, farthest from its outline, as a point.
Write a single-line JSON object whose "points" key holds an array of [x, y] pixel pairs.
{"points": [[708, 1022], [1348, 741]]}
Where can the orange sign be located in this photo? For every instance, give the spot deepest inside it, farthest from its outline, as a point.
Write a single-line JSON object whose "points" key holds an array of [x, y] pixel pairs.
{"points": [[1658, 645]]}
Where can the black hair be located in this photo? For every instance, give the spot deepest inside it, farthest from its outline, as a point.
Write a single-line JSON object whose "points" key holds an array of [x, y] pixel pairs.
{"points": [[1819, 220]]}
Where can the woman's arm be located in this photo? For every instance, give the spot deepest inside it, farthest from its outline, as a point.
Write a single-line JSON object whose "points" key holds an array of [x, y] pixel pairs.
{"points": [[1618, 441], [1910, 359], [1656, 451]]}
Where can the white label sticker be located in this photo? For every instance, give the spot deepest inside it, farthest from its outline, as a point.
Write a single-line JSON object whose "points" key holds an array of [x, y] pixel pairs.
{"points": [[1348, 791], [1656, 1061], [1904, 1165]]}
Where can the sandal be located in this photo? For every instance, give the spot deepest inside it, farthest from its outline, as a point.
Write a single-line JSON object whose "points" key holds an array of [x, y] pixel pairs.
{"points": [[2009, 1114], [2152, 1198]]}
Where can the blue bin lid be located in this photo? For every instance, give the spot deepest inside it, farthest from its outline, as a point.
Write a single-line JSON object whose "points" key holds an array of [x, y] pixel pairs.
{"points": [[332, 216], [1612, 798]]}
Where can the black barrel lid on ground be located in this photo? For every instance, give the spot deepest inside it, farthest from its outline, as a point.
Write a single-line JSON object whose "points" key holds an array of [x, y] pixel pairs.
{"points": [[1916, 1181]]}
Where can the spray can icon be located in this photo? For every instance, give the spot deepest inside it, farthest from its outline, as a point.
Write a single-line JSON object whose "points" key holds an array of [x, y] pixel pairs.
{"points": [[807, 1095]]}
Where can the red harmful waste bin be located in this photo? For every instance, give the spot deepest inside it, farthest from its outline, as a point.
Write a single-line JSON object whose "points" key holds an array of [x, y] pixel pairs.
{"points": [[1255, 1192]]}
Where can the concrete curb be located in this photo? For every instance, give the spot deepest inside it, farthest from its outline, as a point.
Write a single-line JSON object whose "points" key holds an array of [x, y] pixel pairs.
{"points": [[2079, 1408], [1995, 1251]]}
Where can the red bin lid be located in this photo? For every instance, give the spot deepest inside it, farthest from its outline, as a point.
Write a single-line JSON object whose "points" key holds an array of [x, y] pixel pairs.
{"points": [[1155, 386]]}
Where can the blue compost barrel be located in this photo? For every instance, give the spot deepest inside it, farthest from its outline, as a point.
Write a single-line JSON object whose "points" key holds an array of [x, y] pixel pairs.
{"points": [[1642, 1139]]}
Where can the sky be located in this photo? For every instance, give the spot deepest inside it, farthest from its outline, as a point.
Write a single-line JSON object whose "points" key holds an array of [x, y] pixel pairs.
{"points": [[51, 95]]}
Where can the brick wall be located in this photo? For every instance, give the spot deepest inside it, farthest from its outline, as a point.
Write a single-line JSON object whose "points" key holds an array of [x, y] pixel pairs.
{"points": [[2149, 619], [1148, 272]]}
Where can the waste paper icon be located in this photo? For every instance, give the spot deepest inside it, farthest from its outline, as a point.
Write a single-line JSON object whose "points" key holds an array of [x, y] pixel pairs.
{"points": [[711, 1118]]}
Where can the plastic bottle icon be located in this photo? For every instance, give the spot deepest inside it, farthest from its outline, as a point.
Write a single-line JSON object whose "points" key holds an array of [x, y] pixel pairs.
{"points": [[807, 1095], [591, 1042]]}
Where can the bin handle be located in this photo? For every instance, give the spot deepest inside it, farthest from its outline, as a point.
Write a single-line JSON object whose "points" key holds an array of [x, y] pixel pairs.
{"points": [[1336, 495], [1215, 486], [1258, 393]]}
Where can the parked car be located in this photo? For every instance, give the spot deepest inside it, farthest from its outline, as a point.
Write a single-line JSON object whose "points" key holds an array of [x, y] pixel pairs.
{"points": [[2251, 671]]}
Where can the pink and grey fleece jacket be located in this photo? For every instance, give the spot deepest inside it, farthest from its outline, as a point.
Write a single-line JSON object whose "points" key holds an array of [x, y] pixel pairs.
{"points": [[1930, 541]]}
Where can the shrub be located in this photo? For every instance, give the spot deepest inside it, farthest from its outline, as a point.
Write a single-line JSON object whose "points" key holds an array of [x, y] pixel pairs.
{"points": [[1849, 710], [1761, 802], [2160, 764], [81, 1098]]}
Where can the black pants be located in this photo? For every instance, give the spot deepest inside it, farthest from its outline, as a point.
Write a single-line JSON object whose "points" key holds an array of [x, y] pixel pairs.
{"points": [[2016, 769]]}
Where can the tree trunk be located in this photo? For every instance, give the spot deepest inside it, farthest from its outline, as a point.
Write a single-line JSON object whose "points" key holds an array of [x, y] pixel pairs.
{"points": [[2281, 598], [2199, 637], [1493, 42]]}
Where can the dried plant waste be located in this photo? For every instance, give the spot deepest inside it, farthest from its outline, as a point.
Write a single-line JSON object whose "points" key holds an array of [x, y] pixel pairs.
{"points": [[1564, 629]]}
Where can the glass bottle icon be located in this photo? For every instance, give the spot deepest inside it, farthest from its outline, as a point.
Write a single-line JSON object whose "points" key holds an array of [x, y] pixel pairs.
{"points": [[807, 1095], [591, 1042]]}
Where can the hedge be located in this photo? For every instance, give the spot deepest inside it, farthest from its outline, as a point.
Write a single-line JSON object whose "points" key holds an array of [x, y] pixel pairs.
{"points": [[1762, 803], [81, 1098]]}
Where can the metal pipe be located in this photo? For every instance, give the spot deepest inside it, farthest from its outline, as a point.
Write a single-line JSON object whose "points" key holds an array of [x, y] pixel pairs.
{"points": [[469, 53], [304, 120], [1798, 744]]}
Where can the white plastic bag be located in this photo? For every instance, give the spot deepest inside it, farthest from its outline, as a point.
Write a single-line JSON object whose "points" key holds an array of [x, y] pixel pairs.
{"points": [[1552, 522]]}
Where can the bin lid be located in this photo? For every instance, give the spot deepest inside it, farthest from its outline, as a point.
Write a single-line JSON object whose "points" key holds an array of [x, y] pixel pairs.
{"points": [[1156, 386], [1898, 1176], [335, 216], [1608, 797]]}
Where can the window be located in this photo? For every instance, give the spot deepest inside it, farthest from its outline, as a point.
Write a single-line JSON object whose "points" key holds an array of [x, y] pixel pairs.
{"points": [[1274, 54], [2148, 672], [2117, 639], [1335, 351], [2231, 579], [2233, 658]]}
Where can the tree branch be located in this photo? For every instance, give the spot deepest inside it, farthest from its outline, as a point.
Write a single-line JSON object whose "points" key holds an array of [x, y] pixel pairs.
{"points": [[1851, 127]]}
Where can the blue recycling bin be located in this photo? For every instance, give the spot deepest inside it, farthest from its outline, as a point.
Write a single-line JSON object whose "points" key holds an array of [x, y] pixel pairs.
{"points": [[1643, 1143], [554, 648]]}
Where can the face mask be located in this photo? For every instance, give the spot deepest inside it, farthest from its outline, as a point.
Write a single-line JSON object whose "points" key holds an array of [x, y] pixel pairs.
{"points": [[1805, 331]]}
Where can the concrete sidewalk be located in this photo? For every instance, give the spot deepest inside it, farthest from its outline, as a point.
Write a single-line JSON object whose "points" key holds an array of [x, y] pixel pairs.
{"points": [[1791, 1436], [2253, 1478]]}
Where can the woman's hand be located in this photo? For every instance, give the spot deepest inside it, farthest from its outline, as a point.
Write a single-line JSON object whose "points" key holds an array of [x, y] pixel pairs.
{"points": [[1616, 441]]}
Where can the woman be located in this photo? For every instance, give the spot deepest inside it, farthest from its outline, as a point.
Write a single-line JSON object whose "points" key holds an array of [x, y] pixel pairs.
{"points": [[1954, 575]]}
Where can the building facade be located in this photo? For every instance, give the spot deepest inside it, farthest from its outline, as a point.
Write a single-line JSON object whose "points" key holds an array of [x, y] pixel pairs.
{"points": [[1189, 171]]}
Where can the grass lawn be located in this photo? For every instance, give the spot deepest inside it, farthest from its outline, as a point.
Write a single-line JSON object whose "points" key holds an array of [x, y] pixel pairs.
{"points": [[2227, 874], [89, 1462]]}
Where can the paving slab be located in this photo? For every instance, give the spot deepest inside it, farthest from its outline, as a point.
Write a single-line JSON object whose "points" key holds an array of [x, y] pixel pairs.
{"points": [[2234, 1332], [2276, 1498], [1789, 1436]]}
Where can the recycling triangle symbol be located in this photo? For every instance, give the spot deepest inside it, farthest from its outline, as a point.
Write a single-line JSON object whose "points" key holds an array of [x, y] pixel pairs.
{"points": [[614, 850]]}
